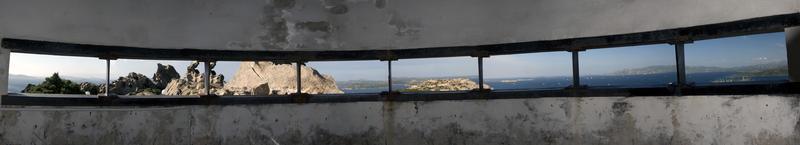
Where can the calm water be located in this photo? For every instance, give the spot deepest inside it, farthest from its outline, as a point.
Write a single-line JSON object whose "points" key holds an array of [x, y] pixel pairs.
{"points": [[633, 81]]}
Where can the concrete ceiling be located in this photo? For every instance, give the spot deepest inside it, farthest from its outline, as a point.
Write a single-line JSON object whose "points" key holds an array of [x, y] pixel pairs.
{"points": [[357, 25]]}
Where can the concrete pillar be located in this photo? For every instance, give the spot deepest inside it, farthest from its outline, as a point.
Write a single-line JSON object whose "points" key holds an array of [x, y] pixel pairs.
{"points": [[576, 76], [108, 77], [5, 55], [480, 73], [793, 52], [389, 81], [680, 64], [389, 71], [299, 80], [207, 78]]}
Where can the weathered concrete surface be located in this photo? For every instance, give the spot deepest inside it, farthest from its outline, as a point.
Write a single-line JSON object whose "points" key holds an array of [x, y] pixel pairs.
{"points": [[52, 125], [729, 120], [319, 25]]}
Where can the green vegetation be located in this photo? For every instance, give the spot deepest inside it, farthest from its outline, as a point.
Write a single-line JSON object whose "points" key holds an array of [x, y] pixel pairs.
{"points": [[54, 85]]}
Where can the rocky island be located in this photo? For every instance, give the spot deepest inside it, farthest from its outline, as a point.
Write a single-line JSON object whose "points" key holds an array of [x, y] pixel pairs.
{"points": [[443, 85]]}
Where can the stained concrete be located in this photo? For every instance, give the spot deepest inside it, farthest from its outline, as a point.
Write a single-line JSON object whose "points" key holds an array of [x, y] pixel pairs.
{"points": [[729, 120], [320, 25]]}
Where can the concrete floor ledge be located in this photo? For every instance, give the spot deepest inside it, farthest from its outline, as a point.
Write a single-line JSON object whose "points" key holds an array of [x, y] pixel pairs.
{"points": [[730, 120]]}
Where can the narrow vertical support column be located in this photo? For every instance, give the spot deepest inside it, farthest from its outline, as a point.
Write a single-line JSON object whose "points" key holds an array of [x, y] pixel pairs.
{"points": [[299, 82], [207, 78], [299, 96], [389, 58], [5, 56], [108, 77], [576, 78], [680, 64], [107, 90], [480, 55], [389, 64], [680, 67], [793, 53], [480, 73]]}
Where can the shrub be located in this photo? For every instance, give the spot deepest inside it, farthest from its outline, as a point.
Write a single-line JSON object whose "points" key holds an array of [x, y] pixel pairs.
{"points": [[54, 85]]}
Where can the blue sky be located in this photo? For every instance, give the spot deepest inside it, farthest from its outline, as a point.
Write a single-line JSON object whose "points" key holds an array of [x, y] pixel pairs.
{"points": [[725, 52]]}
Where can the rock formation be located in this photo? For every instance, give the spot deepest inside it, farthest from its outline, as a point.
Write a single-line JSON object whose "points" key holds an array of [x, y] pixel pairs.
{"points": [[263, 77], [458, 84], [192, 83], [89, 88], [133, 84], [253, 78], [164, 74]]}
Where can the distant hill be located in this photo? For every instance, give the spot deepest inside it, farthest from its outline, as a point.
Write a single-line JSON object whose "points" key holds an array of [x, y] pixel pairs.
{"points": [[761, 67], [658, 69], [360, 84], [17, 83], [764, 69], [626, 77], [763, 72]]}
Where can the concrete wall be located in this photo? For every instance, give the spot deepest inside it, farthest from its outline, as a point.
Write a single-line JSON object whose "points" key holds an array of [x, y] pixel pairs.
{"points": [[302, 25], [729, 120]]}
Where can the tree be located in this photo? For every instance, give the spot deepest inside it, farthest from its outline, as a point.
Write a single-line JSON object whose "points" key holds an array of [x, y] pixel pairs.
{"points": [[54, 85]]}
